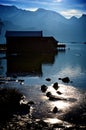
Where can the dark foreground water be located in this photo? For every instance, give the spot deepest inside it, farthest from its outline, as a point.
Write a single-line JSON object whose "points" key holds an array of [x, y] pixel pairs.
{"points": [[33, 70]]}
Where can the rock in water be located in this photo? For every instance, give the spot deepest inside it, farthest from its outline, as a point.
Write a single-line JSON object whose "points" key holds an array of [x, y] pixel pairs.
{"points": [[48, 79], [31, 103], [55, 110], [48, 94], [58, 92], [65, 80], [44, 88], [55, 86]]}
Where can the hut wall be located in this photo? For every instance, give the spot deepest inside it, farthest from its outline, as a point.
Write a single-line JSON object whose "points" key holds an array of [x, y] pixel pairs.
{"points": [[28, 44]]}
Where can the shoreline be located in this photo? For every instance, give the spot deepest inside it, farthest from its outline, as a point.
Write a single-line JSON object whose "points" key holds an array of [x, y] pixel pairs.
{"points": [[41, 114]]}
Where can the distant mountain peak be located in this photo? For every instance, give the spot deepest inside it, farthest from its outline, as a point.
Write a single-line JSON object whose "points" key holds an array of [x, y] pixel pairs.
{"points": [[50, 22], [10, 6], [46, 10], [50, 13], [73, 17], [41, 9], [83, 15]]}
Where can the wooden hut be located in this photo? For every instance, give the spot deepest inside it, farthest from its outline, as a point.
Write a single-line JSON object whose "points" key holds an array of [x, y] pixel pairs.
{"points": [[29, 41]]}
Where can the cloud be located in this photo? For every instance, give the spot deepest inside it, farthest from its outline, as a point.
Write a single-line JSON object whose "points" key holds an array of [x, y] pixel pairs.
{"points": [[31, 9], [72, 12], [67, 8], [58, 1]]}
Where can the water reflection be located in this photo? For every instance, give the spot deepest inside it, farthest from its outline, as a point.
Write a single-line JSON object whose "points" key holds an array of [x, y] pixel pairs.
{"points": [[30, 64], [69, 97], [44, 107], [53, 121], [3, 64], [70, 71]]}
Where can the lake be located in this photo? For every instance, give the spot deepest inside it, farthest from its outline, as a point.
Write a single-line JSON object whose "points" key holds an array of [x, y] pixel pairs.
{"points": [[30, 72], [35, 68]]}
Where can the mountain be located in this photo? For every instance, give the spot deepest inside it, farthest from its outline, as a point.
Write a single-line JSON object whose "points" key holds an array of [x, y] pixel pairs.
{"points": [[50, 22]]}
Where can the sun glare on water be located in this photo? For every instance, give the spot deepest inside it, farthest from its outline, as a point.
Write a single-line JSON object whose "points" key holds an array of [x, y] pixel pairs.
{"points": [[68, 97]]}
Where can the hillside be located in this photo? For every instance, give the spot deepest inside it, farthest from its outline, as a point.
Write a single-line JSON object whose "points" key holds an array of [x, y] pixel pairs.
{"points": [[50, 22]]}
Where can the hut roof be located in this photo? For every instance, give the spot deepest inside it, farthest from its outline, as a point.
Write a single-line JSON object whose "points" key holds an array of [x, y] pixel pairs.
{"points": [[23, 34]]}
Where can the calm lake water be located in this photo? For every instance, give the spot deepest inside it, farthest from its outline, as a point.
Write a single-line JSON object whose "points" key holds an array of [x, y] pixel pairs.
{"points": [[35, 68]]}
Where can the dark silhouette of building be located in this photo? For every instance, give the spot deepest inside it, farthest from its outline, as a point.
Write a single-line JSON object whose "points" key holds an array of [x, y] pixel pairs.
{"points": [[27, 51], [29, 41]]}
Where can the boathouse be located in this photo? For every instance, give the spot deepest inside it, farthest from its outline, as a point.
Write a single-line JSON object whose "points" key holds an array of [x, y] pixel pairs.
{"points": [[29, 41]]}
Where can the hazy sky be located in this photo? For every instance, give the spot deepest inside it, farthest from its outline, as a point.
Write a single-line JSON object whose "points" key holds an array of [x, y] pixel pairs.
{"points": [[67, 8]]}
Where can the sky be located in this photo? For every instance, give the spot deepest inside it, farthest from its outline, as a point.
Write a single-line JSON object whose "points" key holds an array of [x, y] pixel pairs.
{"points": [[67, 8]]}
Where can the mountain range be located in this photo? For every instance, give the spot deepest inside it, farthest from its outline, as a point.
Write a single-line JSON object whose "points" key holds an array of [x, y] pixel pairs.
{"points": [[50, 22]]}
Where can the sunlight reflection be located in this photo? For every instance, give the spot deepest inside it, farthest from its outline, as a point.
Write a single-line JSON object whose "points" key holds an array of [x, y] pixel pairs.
{"points": [[64, 101], [69, 97], [57, 121], [62, 105], [71, 71], [53, 120], [51, 89], [66, 90], [69, 91]]}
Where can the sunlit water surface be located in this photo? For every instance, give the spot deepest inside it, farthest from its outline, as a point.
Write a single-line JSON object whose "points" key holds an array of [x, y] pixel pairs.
{"points": [[69, 63]]}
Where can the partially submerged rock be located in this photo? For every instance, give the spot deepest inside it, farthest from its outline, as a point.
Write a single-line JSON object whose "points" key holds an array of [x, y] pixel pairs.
{"points": [[58, 92], [48, 79], [55, 98], [55, 86], [31, 103], [48, 94], [65, 80], [55, 109], [44, 88]]}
